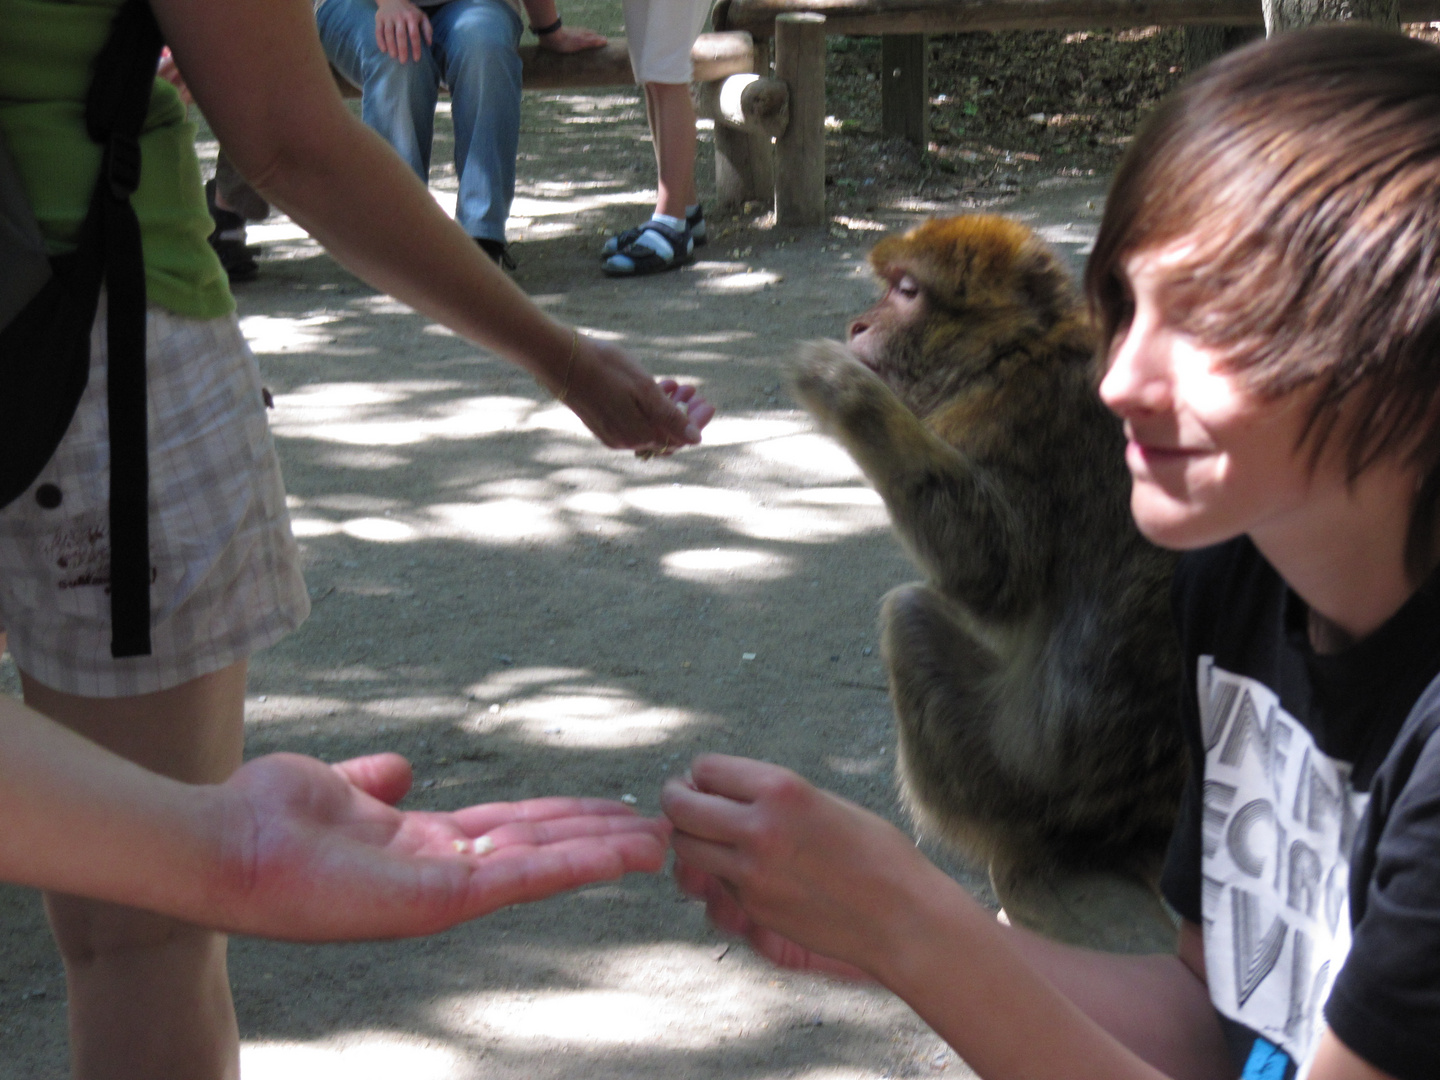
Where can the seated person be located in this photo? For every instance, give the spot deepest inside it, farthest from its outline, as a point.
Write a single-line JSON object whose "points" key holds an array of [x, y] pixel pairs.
{"points": [[400, 54], [1267, 285]]}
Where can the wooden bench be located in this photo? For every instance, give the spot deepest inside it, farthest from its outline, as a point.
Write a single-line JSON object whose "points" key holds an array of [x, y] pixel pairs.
{"points": [[796, 31], [770, 125]]}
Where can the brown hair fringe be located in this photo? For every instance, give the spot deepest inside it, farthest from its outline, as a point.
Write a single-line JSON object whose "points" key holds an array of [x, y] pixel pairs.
{"points": [[1305, 170]]}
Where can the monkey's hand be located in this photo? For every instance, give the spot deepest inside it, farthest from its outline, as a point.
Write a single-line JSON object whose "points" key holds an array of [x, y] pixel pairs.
{"points": [[839, 390], [852, 403]]}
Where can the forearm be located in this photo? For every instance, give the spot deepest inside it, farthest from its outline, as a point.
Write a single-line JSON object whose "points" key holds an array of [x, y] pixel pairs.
{"points": [[1154, 1004], [81, 820], [257, 71], [1014, 1005], [409, 248]]}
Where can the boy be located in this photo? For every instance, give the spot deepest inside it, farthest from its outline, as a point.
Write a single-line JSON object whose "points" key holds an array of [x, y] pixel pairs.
{"points": [[1267, 280]]}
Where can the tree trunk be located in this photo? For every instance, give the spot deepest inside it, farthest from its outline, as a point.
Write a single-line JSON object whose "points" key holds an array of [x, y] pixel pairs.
{"points": [[1297, 14], [1206, 43]]}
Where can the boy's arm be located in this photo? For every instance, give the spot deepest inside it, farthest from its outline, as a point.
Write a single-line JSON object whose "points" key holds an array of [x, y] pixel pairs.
{"points": [[289, 847], [800, 865]]}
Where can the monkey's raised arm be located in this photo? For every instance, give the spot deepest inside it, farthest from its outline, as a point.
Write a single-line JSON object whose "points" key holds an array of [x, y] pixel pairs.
{"points": [[957, 520]]}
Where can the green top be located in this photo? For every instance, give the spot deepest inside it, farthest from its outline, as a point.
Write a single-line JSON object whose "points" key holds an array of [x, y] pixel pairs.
{"points": [[47, 48]]}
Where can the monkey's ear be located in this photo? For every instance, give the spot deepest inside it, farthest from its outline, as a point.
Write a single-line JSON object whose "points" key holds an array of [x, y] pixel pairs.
{"points": [[1044, 286]]}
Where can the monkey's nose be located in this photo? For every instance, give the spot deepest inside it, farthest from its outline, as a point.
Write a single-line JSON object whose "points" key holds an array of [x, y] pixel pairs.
{"points": [[858, 327]]}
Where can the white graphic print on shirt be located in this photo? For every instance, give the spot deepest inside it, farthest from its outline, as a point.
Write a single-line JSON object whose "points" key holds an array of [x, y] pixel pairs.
{"points": [[1279, 819]]}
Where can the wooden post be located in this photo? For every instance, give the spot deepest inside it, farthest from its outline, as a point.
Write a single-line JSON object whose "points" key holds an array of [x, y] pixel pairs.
{"points": [[905, 87], [749, 103], [744, 163], [800, 152]]}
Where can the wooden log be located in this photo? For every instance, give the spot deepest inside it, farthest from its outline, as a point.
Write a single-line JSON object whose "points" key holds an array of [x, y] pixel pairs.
{"points": [[800, 152], [905, 88], [744, 162], [716, 56], [751, 103], [867, 17]]}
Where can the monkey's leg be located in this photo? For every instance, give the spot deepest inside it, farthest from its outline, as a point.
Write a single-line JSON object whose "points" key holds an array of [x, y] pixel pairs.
{"points": [[950, 774], [1097, 909], [967, 777], [952, 516]]}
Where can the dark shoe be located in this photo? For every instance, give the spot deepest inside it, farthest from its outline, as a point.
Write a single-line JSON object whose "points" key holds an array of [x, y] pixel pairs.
{"points": [[498, 251], [694, 223], [228, 240], [639, 258]]}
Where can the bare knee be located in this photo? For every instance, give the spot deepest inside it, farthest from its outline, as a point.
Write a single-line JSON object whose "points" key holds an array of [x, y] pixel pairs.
{"points": [[90, 931]]}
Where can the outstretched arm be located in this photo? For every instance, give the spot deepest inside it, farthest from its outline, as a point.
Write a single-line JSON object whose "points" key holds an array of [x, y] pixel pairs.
{"points": [[256, 69], [290, 847], [805, 875]]}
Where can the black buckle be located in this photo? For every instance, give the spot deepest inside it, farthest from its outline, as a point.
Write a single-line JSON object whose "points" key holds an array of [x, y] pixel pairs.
{"points": [[122, 165]]}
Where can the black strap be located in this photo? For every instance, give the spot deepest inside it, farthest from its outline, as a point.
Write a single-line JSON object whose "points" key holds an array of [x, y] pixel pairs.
{"points": [[115, 111]]}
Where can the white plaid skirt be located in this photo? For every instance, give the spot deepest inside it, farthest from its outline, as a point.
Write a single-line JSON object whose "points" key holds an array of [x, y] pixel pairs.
{"points": [[226, 571]]}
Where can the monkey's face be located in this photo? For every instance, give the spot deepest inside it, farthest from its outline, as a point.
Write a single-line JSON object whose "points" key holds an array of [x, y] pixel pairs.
{"points": [[889, 338], [904, 304]]}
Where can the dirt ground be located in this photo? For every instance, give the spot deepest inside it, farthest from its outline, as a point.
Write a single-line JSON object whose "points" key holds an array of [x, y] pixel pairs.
{"points": [[523, 613]]}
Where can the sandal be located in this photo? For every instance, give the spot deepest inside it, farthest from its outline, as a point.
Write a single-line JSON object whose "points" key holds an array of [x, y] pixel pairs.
{"points": [[695, 223], [656, 247]]}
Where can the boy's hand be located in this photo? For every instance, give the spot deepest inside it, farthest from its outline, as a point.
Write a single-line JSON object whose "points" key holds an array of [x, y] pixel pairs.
{"points": [[812, 880], [316, 852], [728, 916], [402, 30]]}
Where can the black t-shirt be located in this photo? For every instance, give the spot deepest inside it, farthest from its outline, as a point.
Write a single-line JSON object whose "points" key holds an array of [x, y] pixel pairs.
{"points": [[1308, 845]]}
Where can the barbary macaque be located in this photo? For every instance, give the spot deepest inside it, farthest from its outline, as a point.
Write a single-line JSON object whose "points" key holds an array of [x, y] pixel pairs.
{"points": [[1034, 671]]}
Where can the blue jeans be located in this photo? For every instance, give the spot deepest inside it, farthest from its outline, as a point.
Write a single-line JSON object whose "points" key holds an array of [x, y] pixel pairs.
{"points": [[474, 53]]}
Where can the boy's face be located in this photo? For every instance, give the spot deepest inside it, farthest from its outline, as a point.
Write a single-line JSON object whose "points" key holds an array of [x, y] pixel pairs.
{"points": [[1208, 459]]}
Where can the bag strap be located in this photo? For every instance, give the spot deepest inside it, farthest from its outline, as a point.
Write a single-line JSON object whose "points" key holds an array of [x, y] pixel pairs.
{"points": [[115, 112]]}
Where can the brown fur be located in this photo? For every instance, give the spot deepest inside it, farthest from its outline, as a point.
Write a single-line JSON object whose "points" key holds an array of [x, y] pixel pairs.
{"points": [[1034, 671]]}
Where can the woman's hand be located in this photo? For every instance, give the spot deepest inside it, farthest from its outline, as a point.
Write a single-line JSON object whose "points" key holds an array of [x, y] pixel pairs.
{"points": [[625, 407], [811, 880], [317, 852], [572, 39], [402, 30]]}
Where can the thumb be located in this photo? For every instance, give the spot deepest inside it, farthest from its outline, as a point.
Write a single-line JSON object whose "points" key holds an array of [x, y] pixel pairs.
{"points": [[385, 777]]}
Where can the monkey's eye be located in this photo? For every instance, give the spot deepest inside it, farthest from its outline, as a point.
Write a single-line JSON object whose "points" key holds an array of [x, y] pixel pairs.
{"points": [[907, 287]]}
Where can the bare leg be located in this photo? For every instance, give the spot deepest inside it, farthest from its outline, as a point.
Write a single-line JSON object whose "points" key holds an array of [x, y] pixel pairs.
{"points": [[672, 125], [150, 996]]}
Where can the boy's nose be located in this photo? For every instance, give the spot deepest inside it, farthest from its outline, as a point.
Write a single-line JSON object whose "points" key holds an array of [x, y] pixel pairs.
{"points": [[1135, 381]]}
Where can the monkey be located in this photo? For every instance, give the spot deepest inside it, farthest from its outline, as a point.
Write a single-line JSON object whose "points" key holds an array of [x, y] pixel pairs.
{"points": [[1034, 672]]}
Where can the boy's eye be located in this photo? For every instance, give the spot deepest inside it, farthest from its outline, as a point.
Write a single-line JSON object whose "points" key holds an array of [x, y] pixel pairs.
{"points": [[1122, 303]]}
